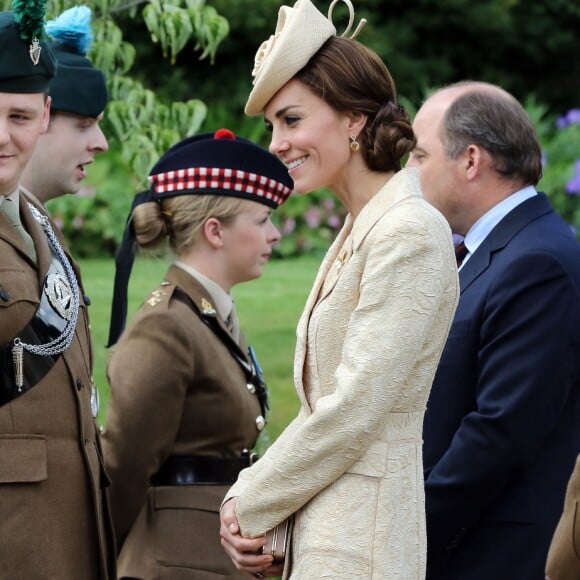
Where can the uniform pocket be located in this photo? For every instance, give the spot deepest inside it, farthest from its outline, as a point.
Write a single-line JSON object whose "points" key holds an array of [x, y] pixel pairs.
{"points": [[186, 529], [23, 458]]}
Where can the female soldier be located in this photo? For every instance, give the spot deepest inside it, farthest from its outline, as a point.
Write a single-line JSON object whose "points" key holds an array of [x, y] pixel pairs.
{"points": [[187, 401], [349, 466]]}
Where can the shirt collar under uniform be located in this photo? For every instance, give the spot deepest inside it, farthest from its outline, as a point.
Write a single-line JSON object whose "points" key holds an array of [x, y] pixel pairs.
{"points": [[223, 300]]}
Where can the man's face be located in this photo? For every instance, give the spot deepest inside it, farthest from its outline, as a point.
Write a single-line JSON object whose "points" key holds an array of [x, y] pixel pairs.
{"points": [[440, 176], [23, 118], [59, 163]]}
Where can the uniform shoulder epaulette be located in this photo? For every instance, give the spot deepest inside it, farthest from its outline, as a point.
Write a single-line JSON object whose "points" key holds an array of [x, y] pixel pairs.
{"points": [[161, 295]]}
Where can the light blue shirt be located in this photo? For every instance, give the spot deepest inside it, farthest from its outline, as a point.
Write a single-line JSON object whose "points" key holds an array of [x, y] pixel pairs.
{"points": [[485, 224]]}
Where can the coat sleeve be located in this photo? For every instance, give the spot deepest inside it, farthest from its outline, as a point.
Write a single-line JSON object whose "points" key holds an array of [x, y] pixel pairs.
{"points": [[149, 371], [524, 373], [406, 278]]}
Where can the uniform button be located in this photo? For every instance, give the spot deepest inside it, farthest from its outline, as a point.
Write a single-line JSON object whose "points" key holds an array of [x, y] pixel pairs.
{"points": [[79, 384], [251, 388], [87, 300], [260, 422], [5, 295]]}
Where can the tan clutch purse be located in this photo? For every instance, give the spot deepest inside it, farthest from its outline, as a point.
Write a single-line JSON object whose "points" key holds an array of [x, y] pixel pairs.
{"points": [[278, 540]]}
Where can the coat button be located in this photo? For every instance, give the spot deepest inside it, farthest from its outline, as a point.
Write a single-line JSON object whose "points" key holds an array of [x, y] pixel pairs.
{"points": [[260, 422], [79, 384], [251, 388], [87, 300], [5, 295]]}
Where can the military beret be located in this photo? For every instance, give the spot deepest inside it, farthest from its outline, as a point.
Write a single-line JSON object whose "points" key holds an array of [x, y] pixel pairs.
{"points": [[78, 86], [221, 164], [26, 63], [217, 163]]}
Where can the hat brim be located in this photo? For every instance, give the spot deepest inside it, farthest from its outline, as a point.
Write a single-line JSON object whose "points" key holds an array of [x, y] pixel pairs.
{"points": [[300, 32]]}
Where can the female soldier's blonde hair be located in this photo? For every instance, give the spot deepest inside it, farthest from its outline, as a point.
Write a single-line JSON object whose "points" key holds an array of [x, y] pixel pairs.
{"points": [[181, 218]]}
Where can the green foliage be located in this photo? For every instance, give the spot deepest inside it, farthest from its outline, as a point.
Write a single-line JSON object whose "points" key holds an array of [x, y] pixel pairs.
{"points": [[144, 124], [308, 223], [561, 174]]}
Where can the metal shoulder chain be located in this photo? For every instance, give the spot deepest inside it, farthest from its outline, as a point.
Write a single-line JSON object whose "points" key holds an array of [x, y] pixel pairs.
{"points": [[62, 342]]}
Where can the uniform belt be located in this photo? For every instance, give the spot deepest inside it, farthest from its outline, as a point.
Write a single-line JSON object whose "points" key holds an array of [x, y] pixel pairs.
{"points": [[202, 470]]}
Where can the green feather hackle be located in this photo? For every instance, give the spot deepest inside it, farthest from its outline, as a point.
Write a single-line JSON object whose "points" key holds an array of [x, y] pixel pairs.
{"points": [[29, 17]]}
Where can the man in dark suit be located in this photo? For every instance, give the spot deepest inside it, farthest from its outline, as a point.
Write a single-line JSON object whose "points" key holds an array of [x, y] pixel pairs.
{"points": [[502, 428]]}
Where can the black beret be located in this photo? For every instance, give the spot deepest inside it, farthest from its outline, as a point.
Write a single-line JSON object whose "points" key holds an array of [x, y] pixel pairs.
{"points": [[221, 163], [18, 72], [78, 86]]}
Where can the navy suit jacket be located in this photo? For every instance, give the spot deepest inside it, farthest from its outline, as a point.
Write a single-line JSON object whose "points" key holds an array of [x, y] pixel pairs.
{"points": [[502, 427]]}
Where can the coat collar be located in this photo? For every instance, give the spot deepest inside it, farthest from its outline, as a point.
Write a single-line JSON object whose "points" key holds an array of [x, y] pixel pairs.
{"points": [[205, 303], [403, 185], [501, 235]]}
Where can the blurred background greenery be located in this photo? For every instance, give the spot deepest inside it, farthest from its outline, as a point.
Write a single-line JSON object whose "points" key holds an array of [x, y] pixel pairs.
{"points": [[177, 67]]}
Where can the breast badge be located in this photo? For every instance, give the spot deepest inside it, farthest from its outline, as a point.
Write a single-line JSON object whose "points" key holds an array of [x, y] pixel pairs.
{"points": [[59, 293]]}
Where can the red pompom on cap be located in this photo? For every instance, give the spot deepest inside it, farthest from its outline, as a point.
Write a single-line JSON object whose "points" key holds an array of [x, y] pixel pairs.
{"points": [[224, 134]]}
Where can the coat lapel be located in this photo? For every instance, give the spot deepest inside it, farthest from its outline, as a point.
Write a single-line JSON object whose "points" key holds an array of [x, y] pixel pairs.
{"points": [[43, 252], [500, 237], [401, 186], [204, 302]]}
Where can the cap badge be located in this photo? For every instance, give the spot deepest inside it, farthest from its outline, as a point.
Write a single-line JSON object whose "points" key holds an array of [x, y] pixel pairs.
{"points": [[207, 307], [34, 51]]}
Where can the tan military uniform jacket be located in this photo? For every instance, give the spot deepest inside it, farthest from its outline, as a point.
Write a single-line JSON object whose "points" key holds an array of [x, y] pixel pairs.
{"points": [[54, 519], [175, 390], [564, 554]]}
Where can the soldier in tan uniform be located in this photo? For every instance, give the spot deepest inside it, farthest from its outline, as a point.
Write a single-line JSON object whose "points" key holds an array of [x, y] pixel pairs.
{"points": [[54, 517], [187, 399]]}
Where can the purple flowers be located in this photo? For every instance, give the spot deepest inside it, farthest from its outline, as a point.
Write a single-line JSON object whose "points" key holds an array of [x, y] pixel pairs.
{"points": [[572, 117], [573, 185]]}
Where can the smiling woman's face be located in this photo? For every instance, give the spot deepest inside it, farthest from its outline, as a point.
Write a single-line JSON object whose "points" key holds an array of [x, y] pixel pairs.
{"points": [[309, 136]]}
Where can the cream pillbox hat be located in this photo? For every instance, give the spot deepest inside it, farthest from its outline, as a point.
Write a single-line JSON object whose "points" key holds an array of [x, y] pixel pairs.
{"points": [[300, 32]]}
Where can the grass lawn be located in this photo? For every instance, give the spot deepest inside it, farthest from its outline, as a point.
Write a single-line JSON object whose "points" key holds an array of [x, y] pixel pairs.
{"points": [[268, 308]]}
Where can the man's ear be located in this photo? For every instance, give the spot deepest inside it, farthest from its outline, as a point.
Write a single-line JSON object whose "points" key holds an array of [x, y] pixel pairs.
{"points": [[212, 230], [474, 160], [45, 116]]}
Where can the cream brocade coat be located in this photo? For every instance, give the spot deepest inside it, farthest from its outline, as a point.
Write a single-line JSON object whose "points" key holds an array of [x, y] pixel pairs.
{"points": [[368, 344]]}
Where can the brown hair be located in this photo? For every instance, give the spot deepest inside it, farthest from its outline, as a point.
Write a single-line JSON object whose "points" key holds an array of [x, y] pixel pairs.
{"points": [[180, 218], [348, 76], [494, 120]]}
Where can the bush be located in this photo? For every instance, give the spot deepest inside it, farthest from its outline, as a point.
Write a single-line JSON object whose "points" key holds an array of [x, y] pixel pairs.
{"points": [[560, 139]]}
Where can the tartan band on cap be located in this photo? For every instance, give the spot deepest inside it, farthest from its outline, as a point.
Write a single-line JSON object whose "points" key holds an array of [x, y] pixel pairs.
{"points": [[218, 178]]}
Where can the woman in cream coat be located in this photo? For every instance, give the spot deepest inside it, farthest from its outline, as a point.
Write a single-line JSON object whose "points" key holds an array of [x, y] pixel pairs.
{"points": [[349, 466]]}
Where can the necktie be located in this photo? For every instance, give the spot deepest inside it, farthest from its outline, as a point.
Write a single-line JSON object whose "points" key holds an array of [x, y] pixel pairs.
{"points": [[460, 252], [233, 323], [10, 209]]}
